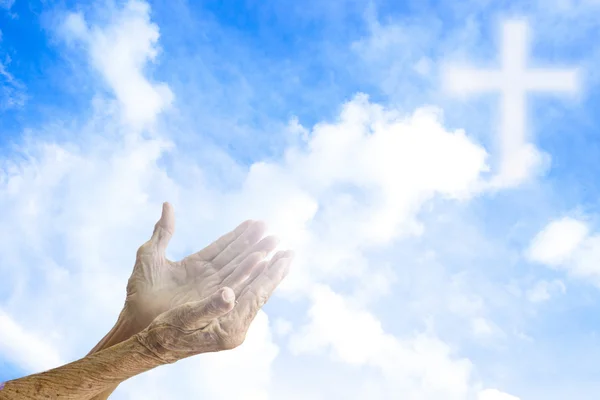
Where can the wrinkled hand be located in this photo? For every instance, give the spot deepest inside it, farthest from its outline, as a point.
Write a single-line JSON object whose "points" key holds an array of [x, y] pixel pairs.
{"points": [[217, 322], [157, 284]]}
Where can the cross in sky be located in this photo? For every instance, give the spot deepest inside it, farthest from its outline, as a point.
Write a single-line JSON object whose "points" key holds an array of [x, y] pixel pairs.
{"points": [[513, 80]]}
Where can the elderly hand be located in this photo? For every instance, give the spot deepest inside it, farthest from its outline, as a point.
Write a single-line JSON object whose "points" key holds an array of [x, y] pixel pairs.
{"points": [[157, 284], [217, 322]]}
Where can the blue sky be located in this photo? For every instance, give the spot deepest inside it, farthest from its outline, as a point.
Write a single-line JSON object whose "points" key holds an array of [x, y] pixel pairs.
{"points": [[328, 120]]}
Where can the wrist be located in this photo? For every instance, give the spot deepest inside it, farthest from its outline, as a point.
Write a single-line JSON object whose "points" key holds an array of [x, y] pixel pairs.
{"points": [[122, 361], [123, 329]]}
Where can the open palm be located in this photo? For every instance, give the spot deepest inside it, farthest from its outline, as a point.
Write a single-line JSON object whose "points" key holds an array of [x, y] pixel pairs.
{"points": [[157, 284]]}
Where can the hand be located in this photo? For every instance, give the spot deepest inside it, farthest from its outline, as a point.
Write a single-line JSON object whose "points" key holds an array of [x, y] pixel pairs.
{"points": [[157, 284], [217, 322]]}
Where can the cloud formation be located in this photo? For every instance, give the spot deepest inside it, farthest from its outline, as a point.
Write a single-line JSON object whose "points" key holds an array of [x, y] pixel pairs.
{"points": [[566, 244]]}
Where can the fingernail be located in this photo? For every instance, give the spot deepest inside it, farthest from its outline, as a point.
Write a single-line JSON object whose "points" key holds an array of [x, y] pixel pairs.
{"points": [[227, 295]]}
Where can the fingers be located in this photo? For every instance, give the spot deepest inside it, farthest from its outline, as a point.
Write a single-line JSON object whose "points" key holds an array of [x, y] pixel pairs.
{"points": [[242, 272], [219, 245], [256, 294], [282, 254], [256, 271], [198, 314], [164, 228], [259, 268], [266, 245], [243, 242]]}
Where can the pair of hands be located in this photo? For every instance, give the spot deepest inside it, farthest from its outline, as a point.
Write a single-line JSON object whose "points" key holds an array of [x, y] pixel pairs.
{"points": [[205, 302]]}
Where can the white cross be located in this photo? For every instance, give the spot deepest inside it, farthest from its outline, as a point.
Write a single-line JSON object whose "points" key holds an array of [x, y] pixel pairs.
{"points": [[513, 80]]}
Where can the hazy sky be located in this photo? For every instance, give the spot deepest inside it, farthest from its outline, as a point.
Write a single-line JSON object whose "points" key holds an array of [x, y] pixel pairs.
{"points": [[415, 277]]}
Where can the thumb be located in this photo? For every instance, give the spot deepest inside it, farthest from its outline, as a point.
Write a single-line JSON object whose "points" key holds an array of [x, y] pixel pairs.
{"points": [[164, 228], [198, 314]]}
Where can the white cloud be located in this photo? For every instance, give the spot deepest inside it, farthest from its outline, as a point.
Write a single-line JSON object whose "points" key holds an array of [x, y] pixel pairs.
{"points": [[27, 349], [373, 164], [557, 241], [120, 52], [586, 260], [418, 367], [566, 244]]}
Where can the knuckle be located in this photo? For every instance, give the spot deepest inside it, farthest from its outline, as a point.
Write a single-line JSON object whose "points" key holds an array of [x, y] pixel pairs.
{"points": [[263, 297], [143, 249], [182, 316], [260, 296], [229, 341]]}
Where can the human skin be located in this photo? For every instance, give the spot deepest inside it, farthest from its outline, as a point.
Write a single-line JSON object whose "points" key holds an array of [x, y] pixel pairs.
{"points": [[173, 310]]}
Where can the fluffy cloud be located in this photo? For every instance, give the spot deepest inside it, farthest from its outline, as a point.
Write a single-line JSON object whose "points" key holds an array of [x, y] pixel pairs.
{"points": [[419, 367], [119, 52], [25, 348], [567, 245], [557, 241], [373, 164]]}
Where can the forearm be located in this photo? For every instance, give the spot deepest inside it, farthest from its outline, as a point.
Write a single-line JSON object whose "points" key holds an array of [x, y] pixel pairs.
{"points": [[87, 377], [122, 331]]}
